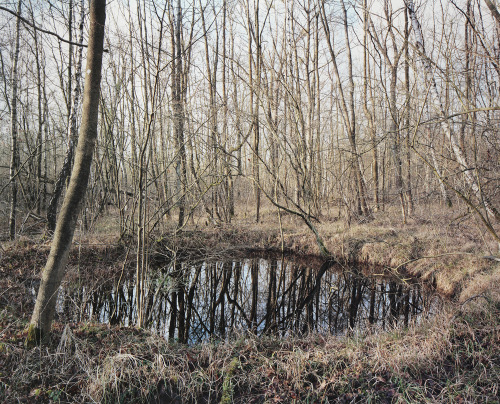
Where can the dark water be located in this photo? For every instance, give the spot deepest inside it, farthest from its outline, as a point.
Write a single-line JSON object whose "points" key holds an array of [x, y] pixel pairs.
{"points": [[193, 302]]}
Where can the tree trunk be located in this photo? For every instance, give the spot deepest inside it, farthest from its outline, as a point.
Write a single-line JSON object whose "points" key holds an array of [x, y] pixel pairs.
{"points": [[72, 134], [41, 121], [396, 140], [494, 11], [450, 135], [179, 117], [369, 116], [13, 131], [53, 273], [409, 195], [347, 106]]}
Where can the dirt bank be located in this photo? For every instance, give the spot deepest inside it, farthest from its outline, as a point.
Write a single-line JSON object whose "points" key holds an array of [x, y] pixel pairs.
{"points": [[453, 256], [452, 357]]}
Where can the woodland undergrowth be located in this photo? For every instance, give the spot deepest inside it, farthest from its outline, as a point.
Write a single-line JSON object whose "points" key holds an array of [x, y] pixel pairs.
{"points": [[453, 356]]}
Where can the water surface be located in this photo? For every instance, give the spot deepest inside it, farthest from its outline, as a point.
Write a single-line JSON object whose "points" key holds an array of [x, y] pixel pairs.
{"points": [[196, 301]]}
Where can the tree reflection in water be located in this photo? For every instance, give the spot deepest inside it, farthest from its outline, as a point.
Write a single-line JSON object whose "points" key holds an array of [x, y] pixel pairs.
{"points": [[193, 302]]}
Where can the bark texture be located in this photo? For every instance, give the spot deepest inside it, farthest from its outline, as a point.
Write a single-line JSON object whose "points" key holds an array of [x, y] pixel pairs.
{"points": [[53, 273], [13, 129]]}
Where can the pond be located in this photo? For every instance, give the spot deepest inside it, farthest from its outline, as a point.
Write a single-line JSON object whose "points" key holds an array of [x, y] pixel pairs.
{"points": [[196, 301]]}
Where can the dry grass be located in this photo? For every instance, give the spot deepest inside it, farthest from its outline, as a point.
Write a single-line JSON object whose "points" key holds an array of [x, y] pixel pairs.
{"points": [[441, 246], [453, 357]]}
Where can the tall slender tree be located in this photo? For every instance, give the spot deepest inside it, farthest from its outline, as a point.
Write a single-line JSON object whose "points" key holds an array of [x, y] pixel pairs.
{"points": [[43, 313], [179, 113], [347, 103], [394, 127], [72, 126], [451, 137], [14, 152]]}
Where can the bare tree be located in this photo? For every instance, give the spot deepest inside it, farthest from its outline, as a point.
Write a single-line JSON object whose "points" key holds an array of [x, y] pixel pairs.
{"points": [[45, 304], [254, 82], [14, 152], [393, 65], [369, 116], [347, 103], [451, 137], [178, 93], [72, 127]]}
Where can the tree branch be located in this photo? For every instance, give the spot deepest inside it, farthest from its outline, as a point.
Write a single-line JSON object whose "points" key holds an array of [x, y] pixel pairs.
{"points": [[32, 25], [493, 10]]}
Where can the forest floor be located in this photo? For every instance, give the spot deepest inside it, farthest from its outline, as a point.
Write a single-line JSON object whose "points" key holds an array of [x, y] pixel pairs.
{"points": [[451, 357]]}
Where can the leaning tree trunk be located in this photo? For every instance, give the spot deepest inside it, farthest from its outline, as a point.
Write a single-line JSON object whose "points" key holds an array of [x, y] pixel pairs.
{"points": [[494, 11], [13, 129], [43, 312]]}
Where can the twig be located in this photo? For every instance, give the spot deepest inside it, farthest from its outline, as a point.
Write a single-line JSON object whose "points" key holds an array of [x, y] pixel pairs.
{"points": [[475, 297], [395, 269], [32, 25]]}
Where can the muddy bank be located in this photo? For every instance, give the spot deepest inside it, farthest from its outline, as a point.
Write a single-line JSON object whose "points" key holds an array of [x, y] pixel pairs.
{"points": [[449, 264], [448, 258], [452, 357]]}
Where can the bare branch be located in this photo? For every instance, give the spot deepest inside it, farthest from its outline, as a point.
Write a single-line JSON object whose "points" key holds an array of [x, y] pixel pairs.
{"points": [[32, 25]]}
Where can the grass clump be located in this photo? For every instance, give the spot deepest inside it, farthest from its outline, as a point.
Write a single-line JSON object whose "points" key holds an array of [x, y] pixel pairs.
{"points": [[227, 384], [452, 357]]}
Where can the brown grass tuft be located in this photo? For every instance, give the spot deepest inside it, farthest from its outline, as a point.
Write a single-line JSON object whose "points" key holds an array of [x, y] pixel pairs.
{"points": [[452, 357]]}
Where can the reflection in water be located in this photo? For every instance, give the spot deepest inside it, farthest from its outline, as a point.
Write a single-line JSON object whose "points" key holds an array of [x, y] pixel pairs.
{"points": [[193, 302]]}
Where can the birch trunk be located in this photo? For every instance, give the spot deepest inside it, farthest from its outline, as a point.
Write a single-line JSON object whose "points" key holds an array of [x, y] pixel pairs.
{"points": [[72, 133], [13, 130], [445, 124]]}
